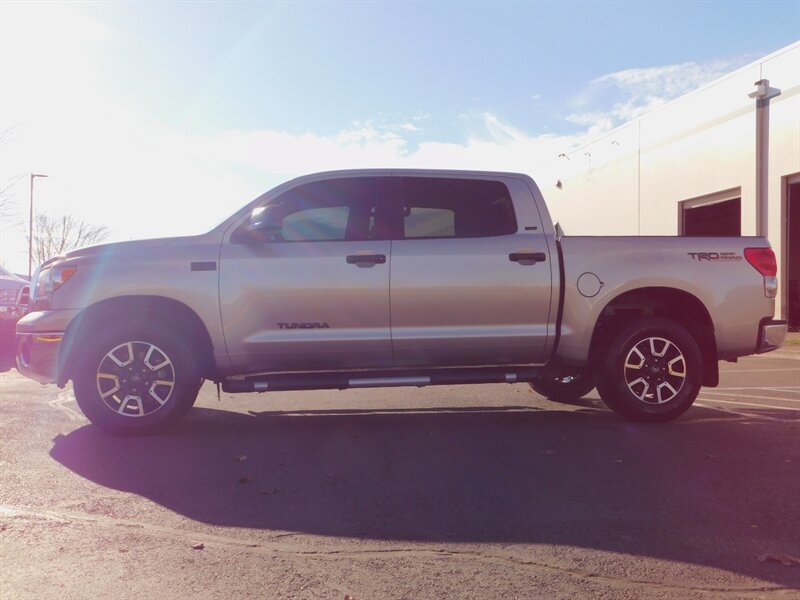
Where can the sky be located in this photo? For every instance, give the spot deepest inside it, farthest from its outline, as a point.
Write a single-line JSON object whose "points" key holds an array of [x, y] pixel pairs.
{"points": [[159, 119]]}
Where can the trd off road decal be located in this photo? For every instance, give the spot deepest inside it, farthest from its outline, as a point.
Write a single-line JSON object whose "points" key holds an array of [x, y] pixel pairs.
{"points": [[716, 256], [322, 325]]}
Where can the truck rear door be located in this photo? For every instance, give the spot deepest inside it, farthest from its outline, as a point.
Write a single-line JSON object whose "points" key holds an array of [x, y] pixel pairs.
{"points": [[470, 275]]}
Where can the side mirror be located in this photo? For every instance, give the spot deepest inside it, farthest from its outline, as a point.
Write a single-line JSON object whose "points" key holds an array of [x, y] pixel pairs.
{"points": [[267, 218]]}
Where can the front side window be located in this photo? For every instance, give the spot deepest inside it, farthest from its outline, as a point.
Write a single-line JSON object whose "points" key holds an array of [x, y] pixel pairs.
{"points": [[322, 211], [324, 223], [456, 208]]}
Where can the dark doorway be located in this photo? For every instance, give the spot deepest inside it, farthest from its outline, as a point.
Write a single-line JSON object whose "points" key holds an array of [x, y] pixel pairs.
{"points": [[717, 219], [793, 255]]}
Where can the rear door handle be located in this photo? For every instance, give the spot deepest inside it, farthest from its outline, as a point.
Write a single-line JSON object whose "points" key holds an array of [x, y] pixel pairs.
{"points": [[527, 256], [375, 259]]}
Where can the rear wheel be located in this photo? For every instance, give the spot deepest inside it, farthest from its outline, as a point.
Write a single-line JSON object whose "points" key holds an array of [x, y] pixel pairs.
{"points": [[136, 380], [564, 387], [652, 370]]}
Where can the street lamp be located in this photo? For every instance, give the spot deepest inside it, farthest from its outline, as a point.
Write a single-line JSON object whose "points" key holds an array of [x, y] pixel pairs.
{"points": [[30, 226]]}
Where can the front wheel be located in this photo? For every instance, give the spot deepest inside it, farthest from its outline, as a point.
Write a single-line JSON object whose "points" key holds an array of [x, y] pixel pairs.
{"points": [[652, 370], [136, 379]]}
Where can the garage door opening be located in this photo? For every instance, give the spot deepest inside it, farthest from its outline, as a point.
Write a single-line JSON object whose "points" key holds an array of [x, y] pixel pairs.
{"points": [[721, 218], [792, 255]]}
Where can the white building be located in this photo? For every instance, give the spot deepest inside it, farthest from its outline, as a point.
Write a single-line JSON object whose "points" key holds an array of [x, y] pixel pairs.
{"points": [[692, 167]]}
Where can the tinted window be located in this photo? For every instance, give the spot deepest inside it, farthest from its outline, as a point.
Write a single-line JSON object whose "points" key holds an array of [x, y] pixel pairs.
{"points": [[429, 222], [332, 210], [323, 223], [460, 208]]}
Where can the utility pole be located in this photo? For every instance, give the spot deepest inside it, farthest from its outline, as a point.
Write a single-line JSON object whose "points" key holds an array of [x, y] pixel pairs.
{"points": [[30, 227]]}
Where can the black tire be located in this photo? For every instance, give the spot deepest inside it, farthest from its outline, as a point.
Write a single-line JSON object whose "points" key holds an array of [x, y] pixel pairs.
{"points": [[154, 390], [564, 387], [652, 370]]}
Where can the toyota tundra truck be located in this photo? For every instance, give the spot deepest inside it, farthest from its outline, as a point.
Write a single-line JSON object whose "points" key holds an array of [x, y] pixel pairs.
{"points": [[376, 278]]}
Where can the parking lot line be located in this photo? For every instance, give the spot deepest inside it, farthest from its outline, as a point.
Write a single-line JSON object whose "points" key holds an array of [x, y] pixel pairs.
{"points": [[735, 370], [761, 387], [753, 396], [737, 403]]}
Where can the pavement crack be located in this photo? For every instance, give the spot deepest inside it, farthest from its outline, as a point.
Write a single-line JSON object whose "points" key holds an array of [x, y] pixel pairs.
{"points": [[63, 517]]}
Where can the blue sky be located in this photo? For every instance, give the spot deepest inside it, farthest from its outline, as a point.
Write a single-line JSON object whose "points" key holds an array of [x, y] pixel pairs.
{"points": [[321, 66], [160, 118]]}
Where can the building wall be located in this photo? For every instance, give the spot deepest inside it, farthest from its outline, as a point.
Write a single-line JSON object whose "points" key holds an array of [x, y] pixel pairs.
{"points": [[633, 179]]}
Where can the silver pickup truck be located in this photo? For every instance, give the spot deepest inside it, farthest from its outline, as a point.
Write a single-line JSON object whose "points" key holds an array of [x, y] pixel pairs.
{"points": [[396, 278]]}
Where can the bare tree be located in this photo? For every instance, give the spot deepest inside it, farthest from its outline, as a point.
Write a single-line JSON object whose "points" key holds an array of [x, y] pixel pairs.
{"points": [[53, 236], [7, 208], [7, 204]]}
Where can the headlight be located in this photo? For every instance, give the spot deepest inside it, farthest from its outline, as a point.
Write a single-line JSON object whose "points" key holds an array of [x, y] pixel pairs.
{"points": [[52, 278], [8, 296]]}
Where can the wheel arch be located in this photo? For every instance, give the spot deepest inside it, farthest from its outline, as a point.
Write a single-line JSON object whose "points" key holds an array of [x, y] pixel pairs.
{"points": [[150, 309], [670, 303]]}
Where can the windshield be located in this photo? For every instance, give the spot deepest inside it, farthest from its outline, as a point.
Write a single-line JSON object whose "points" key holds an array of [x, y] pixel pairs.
{"points": [[5, 272]]}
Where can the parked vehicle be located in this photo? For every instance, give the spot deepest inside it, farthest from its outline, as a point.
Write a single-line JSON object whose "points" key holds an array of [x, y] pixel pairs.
{"points": [[14, 299], [397, 278]]}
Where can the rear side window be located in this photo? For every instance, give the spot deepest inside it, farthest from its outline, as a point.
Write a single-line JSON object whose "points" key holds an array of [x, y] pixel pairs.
{"points": [[456, 208], [421, 221]]}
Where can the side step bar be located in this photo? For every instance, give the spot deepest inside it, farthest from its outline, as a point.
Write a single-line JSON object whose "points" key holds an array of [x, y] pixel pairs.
{"points": [[281, 382]]}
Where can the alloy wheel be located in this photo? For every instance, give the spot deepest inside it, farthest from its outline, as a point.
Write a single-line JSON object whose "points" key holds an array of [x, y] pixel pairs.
{"points": [[135, 379], [655, 370]]}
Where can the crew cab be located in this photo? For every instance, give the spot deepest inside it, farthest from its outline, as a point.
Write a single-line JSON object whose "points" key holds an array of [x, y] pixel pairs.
{"points": [[376, 278]]}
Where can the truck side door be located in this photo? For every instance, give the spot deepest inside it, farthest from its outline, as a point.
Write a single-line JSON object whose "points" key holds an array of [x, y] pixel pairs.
{"points": [[314, 293], [471, 274]]}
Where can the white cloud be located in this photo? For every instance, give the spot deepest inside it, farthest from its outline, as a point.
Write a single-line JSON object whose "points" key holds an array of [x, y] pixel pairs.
{"points": [[497, 145], [597, 122], [615, 98], [111, 164]]}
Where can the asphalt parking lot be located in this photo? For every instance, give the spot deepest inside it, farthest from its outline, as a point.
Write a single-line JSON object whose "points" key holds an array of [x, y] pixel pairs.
{"points": [[452, 492]]}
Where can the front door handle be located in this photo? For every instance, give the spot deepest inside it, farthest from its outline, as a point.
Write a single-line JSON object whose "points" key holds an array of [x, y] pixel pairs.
{"points": [[527, 256], [374, 259]]}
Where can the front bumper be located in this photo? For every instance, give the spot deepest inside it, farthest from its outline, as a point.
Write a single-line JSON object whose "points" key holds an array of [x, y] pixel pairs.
{"points": [[39, 344], [12, 312], [38, 355], [771, 335]]}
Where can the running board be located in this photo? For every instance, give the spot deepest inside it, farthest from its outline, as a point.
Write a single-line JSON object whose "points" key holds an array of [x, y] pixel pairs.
{"points": [[281, 382]]}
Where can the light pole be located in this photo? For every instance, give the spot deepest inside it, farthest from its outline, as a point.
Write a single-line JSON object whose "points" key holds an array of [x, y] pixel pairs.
{"points": [[30, 226]]}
